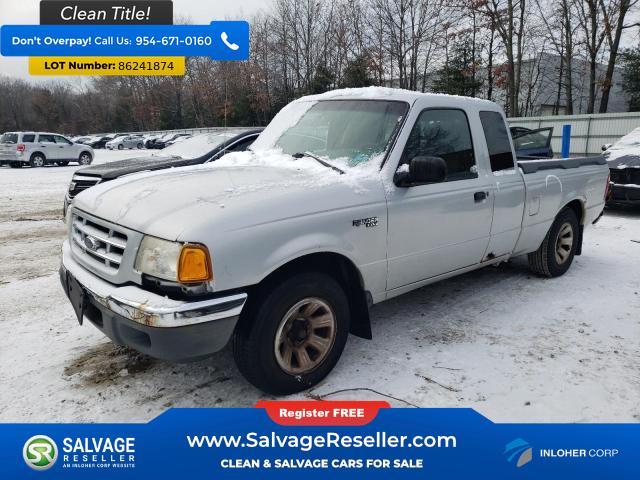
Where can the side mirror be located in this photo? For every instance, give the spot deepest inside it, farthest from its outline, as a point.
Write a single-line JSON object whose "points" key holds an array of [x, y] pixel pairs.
{"points": [[421, 170], [606, 147]]}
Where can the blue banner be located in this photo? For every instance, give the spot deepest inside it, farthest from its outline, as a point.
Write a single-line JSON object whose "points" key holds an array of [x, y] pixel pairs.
{"points": [[248, 443], [221, 40]]}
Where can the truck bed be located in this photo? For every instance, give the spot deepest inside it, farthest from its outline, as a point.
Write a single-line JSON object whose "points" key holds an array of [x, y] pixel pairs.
{"points": [[532, 166]]}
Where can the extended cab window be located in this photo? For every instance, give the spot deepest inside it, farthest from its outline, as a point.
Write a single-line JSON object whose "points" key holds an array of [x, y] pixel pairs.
{"points": [[497, 136], [443, 133]]}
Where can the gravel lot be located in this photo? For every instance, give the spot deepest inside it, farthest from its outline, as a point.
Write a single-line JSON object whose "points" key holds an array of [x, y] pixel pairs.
{"points": [[511, 345]]}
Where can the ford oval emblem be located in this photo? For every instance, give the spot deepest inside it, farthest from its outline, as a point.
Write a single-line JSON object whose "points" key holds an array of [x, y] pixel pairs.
{"points": [[91, 243]]}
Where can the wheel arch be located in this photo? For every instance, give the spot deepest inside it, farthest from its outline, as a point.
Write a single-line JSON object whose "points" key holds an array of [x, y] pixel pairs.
{"points": [[577, 205], [36, 153], [343, 270]]}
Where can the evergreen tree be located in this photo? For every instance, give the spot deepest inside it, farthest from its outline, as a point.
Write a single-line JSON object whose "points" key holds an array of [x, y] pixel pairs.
{"points": [[631, 77], [357, 73], [456, 76]]}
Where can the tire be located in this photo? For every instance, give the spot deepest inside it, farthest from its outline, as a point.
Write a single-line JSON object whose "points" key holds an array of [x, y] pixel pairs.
{"points": [[85, 158], [140, 146], [278, 313], [120, 147], [62, 164], [555, 255], [37, 160]]}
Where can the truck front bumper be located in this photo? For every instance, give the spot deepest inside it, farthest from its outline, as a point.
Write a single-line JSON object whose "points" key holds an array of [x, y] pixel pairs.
{"points": [[150, 323]]}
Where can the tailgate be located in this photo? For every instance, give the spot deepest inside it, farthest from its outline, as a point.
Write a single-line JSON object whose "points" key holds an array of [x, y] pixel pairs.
{"points": [[8, 151]]}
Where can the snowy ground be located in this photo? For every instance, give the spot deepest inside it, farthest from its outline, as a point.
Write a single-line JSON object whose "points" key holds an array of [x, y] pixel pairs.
{"points": [[513, 346]]}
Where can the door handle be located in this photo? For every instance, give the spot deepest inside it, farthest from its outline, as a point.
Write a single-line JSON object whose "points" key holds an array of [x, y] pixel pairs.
{"points": [[480, 196]]}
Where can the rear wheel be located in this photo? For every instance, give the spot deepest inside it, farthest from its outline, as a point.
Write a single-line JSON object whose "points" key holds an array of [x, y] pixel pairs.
{"points": [[293, 335], [37, 160], [85, 158], [139, 146], [555, 255]]}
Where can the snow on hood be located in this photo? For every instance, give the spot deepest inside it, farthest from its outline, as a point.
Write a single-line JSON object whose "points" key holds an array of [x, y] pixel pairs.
{"points": [[239, 190], [625, 152]]}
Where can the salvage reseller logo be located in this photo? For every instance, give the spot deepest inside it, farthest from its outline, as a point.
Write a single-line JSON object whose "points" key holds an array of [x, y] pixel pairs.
{"points": [[40, 452]]}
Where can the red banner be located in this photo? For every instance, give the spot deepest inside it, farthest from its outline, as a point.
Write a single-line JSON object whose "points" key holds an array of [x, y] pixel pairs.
{"points": [[329, 413]]}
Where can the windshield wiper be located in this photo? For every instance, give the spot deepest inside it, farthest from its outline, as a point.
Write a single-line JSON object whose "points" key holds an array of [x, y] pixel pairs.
{"points": [[318, 159]]}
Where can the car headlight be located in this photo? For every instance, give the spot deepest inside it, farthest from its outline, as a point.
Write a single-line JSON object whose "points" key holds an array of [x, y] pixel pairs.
{"points": [[184, 263]]}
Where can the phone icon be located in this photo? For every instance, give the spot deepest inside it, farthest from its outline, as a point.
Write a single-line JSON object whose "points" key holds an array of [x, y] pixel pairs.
{"points": [[225, 39]]}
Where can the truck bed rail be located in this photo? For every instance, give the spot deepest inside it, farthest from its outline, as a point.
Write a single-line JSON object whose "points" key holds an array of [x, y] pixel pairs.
{"points": [[532, 166]]}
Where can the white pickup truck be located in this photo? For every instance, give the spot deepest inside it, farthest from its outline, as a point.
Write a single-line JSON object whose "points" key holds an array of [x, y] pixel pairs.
{"points": [[346, 199]]}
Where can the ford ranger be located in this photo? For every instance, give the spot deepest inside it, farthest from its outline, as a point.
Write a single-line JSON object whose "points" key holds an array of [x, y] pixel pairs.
{"points": [[346, 199]]}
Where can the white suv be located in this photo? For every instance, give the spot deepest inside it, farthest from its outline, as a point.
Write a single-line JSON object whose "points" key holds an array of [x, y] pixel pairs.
{"points": [[40, 148]]}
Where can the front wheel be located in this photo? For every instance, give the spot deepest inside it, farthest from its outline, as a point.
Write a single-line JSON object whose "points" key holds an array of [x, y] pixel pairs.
{"points": [[120, 147], [555, 255], [293, 335]]}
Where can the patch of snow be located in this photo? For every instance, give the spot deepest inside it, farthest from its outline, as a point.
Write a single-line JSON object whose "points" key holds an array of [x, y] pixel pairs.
{"points": [[629, 145], [501, 173], [404, 168]]}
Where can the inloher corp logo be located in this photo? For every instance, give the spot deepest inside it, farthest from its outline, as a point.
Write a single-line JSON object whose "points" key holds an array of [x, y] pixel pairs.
{"points": [[40, 452], [518, 451]]}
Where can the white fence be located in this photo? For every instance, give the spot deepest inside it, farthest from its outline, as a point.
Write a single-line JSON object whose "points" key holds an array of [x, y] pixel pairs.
{"points": [[588, 132]]}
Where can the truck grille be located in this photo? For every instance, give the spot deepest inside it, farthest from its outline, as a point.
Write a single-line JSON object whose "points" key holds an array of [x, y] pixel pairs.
{"points": [[98, 243], [79, 184], [625, 176]]}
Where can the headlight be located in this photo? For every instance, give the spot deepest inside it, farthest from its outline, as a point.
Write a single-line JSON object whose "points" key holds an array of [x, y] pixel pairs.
{"points": [[185, 263]]}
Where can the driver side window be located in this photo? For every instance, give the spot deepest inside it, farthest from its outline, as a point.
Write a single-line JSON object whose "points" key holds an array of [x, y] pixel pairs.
{"points": [[443, 133]]}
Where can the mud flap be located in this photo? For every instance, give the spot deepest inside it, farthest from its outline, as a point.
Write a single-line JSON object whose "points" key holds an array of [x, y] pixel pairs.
{"points": [[77, 297]]}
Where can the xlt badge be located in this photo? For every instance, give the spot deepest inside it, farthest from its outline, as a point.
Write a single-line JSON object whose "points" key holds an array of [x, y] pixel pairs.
{"points": [[367, 222]]}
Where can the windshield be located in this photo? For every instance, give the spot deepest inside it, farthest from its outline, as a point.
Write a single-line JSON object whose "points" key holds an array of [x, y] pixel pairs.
{"points": [[9, 138], [353, 131], [196, 146]]}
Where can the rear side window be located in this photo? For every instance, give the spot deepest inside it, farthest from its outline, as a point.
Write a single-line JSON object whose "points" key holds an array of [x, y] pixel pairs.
{"points": [[497, 137], [443, 133], [28, 138], [46, 138], [61, 139]]}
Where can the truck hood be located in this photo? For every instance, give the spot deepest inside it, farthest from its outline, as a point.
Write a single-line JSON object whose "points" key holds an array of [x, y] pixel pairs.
{"points": [[111, 170], [186, 203], [623, 158]]}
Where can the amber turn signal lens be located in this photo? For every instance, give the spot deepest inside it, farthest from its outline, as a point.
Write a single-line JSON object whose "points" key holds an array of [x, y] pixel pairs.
{"points": [[194, 264]]}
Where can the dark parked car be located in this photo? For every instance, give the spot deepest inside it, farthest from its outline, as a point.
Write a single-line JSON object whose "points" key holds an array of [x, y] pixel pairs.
{"points": [[164, 140], [199, 149], [623, 159], [532, 143]]}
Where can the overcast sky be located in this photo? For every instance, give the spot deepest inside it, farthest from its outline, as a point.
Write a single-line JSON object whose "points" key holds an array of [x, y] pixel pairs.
{"points": [[200, 11]]}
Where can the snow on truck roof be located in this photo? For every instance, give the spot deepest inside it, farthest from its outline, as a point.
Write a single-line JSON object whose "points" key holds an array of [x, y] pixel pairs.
{"points": [[386, 93]]}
